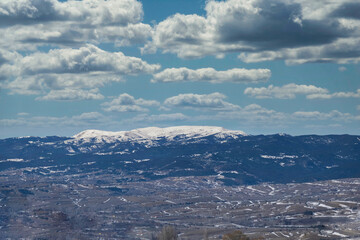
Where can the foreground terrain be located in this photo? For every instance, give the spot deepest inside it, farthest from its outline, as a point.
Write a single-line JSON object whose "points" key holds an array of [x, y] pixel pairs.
{"points": [[101, 205], [128, 185]]}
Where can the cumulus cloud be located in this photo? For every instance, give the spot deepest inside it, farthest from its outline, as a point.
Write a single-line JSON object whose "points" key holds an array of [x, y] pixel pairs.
{"points": [[342, 69], [7, 56], [332, 115], [72, 95], [236, 75], [253, 113], [250, 116], [335, 95], [212, 102], [74, 67], [186, 35], [89, 117], [291, 90], [285, 92], [71, 22], [65, 70], [95, 12], [39, 84], [264, 29], [83, 60], [127, 103], [270, 23], [6, 59], [341, 51]]}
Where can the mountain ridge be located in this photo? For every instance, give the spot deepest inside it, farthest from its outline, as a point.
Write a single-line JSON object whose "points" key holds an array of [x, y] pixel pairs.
{"points": [[93, 133], [152, 153], [156, 132]]}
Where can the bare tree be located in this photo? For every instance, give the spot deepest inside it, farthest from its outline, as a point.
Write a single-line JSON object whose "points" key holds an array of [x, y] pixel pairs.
{"points": [[236, 235], [168, 233], [153, 237], [206, 235]]}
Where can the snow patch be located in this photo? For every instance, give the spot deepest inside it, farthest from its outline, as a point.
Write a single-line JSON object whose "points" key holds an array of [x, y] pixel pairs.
{"points": [[13, 160], [278, 157], [146, 135]]}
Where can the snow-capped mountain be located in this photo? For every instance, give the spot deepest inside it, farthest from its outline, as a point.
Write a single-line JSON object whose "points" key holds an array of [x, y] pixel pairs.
{"points": [[146, 135], [150, 153]]}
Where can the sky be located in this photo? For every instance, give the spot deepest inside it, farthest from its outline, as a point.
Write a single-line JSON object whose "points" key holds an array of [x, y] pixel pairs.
{"points": [[260, 66]]}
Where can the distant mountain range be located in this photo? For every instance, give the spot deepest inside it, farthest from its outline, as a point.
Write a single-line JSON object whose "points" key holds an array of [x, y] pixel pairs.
{"points": [[151, 153]]}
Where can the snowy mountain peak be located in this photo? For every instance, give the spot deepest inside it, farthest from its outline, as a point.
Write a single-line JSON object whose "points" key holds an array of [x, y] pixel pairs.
{"points": [[155, 133]]}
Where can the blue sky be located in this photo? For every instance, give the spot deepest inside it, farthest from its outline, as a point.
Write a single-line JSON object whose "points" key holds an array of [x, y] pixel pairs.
{"points": [[260, 66]]}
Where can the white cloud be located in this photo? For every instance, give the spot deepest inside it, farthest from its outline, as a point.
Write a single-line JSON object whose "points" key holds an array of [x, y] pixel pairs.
{"points": [[31, 23], [83, 60], [127, 103], [344, 50], [70, 69], [31, 37], [41, 83], [309, 115], [126, 108], [291, 90], [297, 31], [256, 115], [92, 12], [89, 117], [342, 69], [72, 95], [212, 102], [285, 92], [124, 36], [7, 56], [334, 115], [72, 29], [236, 75], [253, 113], [187, 35], [6, 59], [335, 95]]}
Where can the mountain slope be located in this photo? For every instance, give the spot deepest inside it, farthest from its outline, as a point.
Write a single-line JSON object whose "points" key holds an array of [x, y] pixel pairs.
{"points": [[152, 153], [155, 133]]}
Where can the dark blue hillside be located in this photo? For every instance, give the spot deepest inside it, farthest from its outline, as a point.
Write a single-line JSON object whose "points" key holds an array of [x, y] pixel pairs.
{"points": [[245, 160]]}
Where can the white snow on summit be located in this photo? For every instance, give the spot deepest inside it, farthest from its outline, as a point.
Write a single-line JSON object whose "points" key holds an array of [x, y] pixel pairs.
{"points": [[155, 133]]}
